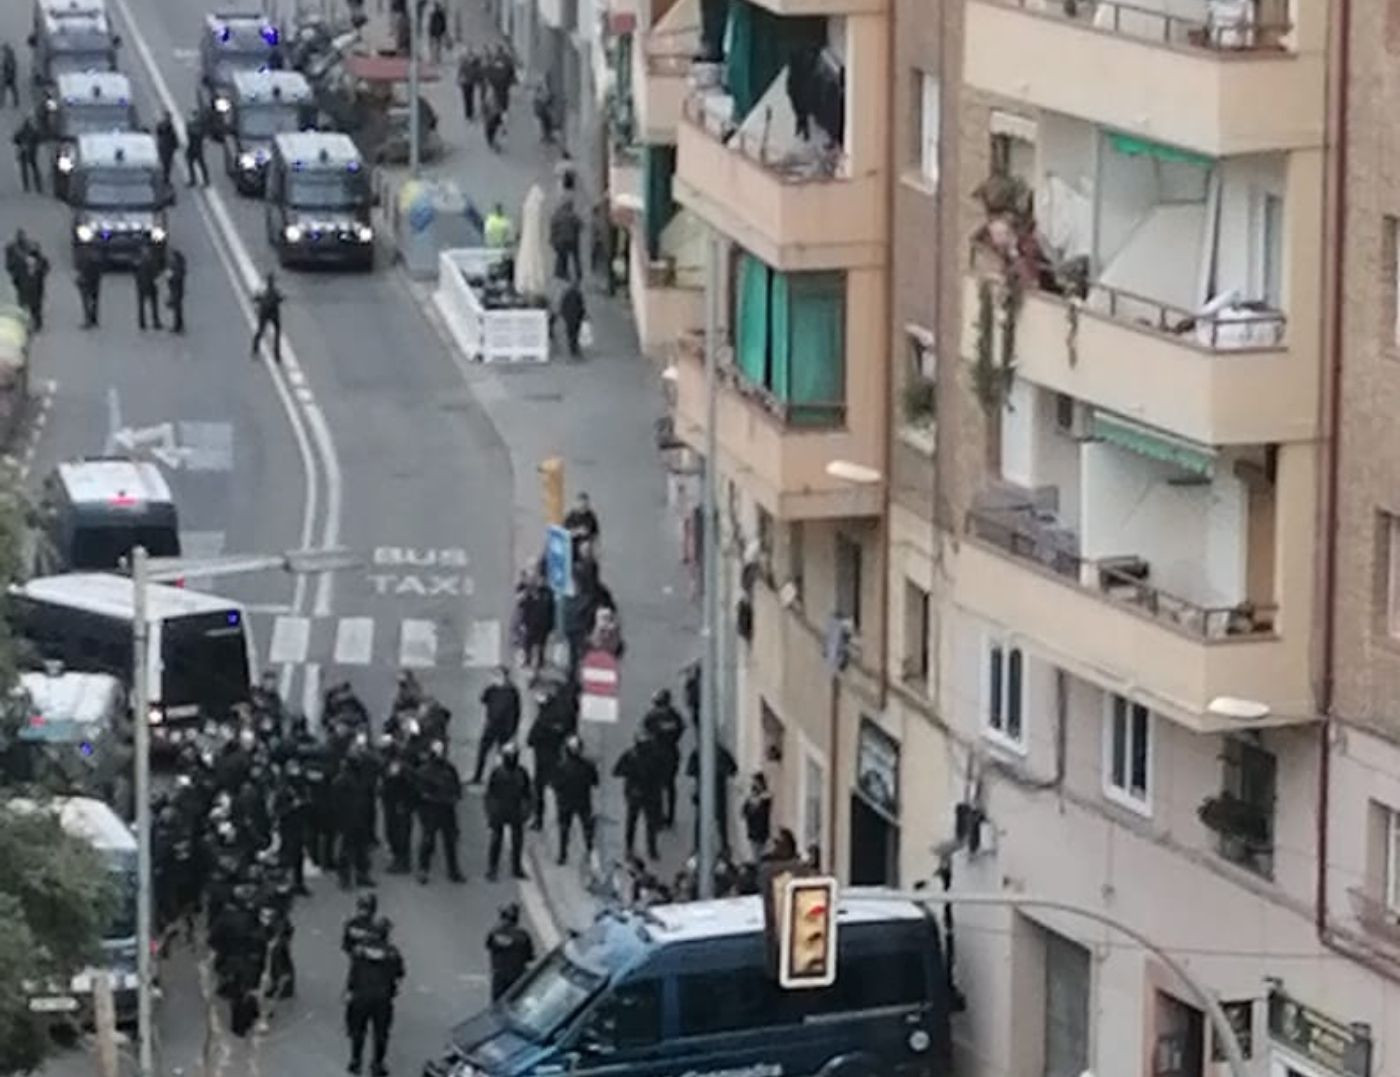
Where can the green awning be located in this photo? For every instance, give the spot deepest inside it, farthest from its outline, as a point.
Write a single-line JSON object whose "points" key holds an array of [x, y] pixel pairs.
{"points": [[1132, 146], [1153, 444]]}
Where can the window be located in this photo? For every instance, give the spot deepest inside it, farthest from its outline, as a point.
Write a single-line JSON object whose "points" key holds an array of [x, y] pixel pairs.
{"points": [[631, 1017], [920, 378], [797, 557], [1181, 1036], [1389, 553], [1127, 746], [1390, 277], [848, 581], [1273, 251], [1005, 674], [1245, 819], [1389, 875], [916, 633], [727, 1001], [930, 123], [1067, 982], [1013, 146]]}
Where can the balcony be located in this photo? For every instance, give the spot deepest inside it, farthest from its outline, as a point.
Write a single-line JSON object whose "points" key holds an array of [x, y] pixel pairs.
{"points": [[1103, 617], [1216, 88], [777, 450], [661, 71]]}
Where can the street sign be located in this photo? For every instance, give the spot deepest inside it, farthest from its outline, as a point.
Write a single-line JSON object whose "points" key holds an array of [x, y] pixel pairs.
{"points": [[559, 560], [599, 678]]}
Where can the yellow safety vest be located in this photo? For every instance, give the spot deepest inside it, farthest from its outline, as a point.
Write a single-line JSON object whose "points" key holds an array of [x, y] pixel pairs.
{"points": [[497, 230]]}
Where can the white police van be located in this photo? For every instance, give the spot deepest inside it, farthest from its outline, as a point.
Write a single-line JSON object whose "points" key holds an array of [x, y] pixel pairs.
{"points": [[119, 198], [319, 200], [85, 102], [232, 41], [70, 35], [264, 104], [94, 512]]}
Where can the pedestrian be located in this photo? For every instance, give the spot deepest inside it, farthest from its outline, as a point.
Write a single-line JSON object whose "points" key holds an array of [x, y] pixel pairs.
{"points": [[666, 727], [566, 240], [26, 139], [497, 231], [544, 106], [691, 687], [166, 143], [725, 769], [566, 173], [268, 303], [492, 118], [581, 522], [146, 276], [552, 726], [501, 75], [9, 74], [500, 701], [603, 250], [398, 796], [640, 769], [376, 968], [574, 781], [358, 928], [175, 289], [507, 805], [36, 281], [89, 276], [468, 79], [757, 811], [195, 134], [574, 314], [439, 789], [509, 949], [437, 30], [537, 623]]}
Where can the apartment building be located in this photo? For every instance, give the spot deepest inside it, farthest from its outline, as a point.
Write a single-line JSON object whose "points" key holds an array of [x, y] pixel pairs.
{"points": [[1129, 575]]}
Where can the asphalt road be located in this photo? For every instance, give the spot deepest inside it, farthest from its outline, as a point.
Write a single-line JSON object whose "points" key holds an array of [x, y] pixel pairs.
{"points": [[368, 438]]}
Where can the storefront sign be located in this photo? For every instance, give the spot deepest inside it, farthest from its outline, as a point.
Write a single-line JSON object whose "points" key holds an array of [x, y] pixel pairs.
{"points": [[877, 768], [1343, 1049]]}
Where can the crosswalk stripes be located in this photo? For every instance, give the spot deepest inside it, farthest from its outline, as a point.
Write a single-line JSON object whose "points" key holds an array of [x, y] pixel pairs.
{"points": [[413, 643]]}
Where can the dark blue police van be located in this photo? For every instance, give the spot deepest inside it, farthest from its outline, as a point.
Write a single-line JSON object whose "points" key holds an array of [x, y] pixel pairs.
{"points": [[687, 991]]}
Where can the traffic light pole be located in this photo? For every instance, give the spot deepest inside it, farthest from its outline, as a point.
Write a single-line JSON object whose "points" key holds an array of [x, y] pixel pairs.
{"points": [[141, 720], [1224, 1031]]}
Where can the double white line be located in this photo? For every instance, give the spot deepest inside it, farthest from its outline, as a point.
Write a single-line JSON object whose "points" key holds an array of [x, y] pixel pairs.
{"points": [[309, 427]]}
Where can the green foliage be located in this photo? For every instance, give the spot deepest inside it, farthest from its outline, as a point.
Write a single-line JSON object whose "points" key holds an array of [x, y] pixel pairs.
{"points": [[993, 368]]}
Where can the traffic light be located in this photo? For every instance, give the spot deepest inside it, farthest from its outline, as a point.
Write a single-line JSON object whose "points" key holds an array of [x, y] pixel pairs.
{"points": [[808, 941], [552, 489]]}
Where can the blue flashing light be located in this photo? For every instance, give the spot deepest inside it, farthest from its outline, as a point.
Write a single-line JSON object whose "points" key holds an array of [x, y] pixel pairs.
{"points": [[232, 617], [353, 166], [225, 32], [270, 35], [85, 747], [106, 234], [297, 166]]}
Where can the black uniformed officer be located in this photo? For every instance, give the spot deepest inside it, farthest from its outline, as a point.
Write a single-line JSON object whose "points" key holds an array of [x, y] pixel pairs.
{"points": [[357, 929], [501, 702], [9, 74], [353, 793], [147, 273], [574, 782], [26, 139], [510, 950], [376, 967], [175, 289], [166, 143], [666, 727], [397, 794], [551, 727], [268, 303], [507, 807], [89, 276], [32, 297], [640, 768], [439, 788], [194, 148]]}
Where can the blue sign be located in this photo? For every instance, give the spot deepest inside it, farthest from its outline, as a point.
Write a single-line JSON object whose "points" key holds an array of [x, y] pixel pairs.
{"points": [[559, 560]]}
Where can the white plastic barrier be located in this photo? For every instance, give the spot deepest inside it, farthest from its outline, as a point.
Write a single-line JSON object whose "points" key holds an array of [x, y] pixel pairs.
{"points": [[518, 335]]}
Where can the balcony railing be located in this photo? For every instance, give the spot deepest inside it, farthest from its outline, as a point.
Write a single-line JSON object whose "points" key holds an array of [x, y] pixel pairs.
{"points": [[1122, 580], [1162, 28], [806, 413], [783, 165]]}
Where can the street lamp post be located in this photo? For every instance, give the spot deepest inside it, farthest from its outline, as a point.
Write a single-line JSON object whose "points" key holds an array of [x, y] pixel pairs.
{"points": [[709, 672], [144, 572], [415, 149]]}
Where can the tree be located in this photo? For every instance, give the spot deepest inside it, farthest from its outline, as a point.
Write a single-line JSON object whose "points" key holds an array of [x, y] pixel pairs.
{"points": [[56, 896]]}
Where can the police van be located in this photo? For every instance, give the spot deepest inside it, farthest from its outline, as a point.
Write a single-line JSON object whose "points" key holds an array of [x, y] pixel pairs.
{"points": [[95, 823], [119, 198], [85, 102], [232, 41], [69, 36], [93, 513], [319, 201], [264, 104], [71, 735], [688, 989]]}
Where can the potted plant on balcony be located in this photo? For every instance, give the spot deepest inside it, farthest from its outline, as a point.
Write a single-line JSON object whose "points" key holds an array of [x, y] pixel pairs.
{"points": [[993, 366], [1236, 819]]}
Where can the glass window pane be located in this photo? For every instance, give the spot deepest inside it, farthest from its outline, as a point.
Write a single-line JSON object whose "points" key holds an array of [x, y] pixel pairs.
{"points": [[1140, 749], [1118, 749], [994, 688], [1013, 694]]}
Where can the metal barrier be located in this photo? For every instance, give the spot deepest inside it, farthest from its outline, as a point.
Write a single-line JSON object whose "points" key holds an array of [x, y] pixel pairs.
{"points": [[510, 335]]}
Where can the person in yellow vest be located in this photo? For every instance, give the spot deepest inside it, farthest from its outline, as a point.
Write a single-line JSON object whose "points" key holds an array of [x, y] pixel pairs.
{"points": [[497, 230]]}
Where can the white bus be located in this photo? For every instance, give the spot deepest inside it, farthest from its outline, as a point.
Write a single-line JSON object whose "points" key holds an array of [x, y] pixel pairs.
{"points": [[201, 649]]}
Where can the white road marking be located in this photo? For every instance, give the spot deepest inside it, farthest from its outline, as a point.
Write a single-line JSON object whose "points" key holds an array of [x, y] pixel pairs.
{"points": [[291, 637], [354, 641], [207, 446], [483, 649], [417, 644]]}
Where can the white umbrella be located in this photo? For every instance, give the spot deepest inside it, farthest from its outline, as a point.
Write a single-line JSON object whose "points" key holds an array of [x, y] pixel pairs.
{"points": [[532, 253]]}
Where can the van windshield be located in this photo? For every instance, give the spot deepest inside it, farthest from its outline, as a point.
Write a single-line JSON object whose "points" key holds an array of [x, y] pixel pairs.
{"points": [[104, 547], [264, 121], [326, 190], [551, 997], [94, 119], [118, 188]]}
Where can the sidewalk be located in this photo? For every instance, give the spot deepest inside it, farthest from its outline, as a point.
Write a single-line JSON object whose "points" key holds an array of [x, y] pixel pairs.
{"points": [[598, 416]]}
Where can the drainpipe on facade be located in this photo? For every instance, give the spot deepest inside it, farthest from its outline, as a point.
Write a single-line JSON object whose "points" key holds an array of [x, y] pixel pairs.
{"points": [[887, 381]]}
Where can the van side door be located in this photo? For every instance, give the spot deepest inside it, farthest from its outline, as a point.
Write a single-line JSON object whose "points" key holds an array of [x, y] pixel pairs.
{"points": [[623, 1032]]}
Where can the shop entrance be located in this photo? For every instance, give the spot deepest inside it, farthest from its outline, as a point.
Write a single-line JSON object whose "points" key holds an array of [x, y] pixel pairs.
{"points": [[874, 846]]}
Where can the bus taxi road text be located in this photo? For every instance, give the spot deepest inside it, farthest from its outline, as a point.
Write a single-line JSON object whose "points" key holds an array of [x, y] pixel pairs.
{"points": [[422, 572]]}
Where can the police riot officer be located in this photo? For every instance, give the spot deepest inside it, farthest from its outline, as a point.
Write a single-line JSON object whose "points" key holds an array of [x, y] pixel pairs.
{"points": [[318, 768], [641, 769], [268, 303], [507, 807], [376, 967], [194, 148], [552, 726], [89, 275], [501, 702], [166, 143], [398, 795], [509, 949], [357, 928], [9, 74], [26, 139], [666, 727], [175, 300], [354, 790], [439, 789], [574, 782], [147, 274], [291, 805]]}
